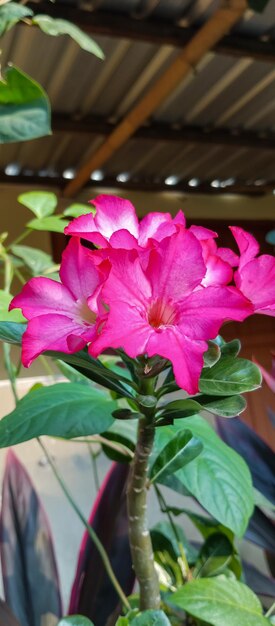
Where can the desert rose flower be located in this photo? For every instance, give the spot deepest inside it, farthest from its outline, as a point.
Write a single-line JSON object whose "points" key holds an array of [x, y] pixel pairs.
{"points": [[162, 310], [59, 316], [116, 226], [255, 277]]}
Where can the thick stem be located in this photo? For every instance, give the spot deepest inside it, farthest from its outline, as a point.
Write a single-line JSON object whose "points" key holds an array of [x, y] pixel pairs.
{"points": [[140, 540]]}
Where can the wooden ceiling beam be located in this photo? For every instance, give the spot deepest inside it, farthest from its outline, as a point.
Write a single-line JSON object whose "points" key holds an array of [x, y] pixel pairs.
{"points": [[154, 31], [97, 125], [218, 25]]}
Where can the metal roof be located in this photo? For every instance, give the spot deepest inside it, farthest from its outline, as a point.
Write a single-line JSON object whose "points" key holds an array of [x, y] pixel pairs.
{"points": [[228, 101]]}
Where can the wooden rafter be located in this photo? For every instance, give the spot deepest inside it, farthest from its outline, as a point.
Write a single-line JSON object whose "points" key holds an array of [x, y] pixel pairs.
{"points": [[219, 24]]}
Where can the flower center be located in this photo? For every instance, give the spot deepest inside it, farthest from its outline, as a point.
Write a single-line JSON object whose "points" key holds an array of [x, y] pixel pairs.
{"points": [[162, 313], [85, 314]]}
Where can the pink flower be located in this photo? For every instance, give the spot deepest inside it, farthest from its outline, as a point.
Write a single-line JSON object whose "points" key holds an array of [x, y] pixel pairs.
{"points": [[61, 316], [115, 224], [255, 277], [160, 310]]}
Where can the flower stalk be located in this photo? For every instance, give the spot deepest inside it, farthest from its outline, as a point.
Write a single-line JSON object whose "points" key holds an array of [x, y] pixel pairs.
{"points": [[140, 540]]}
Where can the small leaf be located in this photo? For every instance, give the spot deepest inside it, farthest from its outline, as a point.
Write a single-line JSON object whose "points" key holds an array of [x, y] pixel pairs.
{"points": [[10, 14], [52, 224], [55, 27], [215, 555], [232, 348], [163, 538], [63, 410], [41, 203], [229, 406], [270, 237], [220, 602], [34, 259], [24, 108], [229, 377], [75, 620], [151, 618], [182, 449], [212, 355], [77, 209], [12, 332], [5, 314]]}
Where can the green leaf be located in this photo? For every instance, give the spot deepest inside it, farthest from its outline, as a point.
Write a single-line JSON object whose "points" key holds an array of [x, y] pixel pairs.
{"points": [[229, 377], [212, 355], [34, 259], [12, 332], [41, 203], [52, 224], [182, 449], [163, 538], [10, 14], [64, 410], [215, 555], [24, 108], [5, 314], [218, 478], [228, 406], [77, 209], [75, 620], [71, 374], [151, 618], [232, 348], [220, 602], [124, 433], [56, 27], [122, 621]]}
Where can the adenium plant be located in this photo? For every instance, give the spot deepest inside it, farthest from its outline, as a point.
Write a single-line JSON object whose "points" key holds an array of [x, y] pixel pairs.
{"points": [[156, 294]]}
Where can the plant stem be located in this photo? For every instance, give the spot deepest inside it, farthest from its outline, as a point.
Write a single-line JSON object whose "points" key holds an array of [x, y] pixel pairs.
{"points": [[19, 238], [93, 456], [89, 529], [140, 540], [270, 610]]}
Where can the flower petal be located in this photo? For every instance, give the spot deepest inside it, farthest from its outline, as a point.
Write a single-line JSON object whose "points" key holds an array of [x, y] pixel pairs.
{"points": [[43, 295], [218, 272], [125, 328], [51, 332], [247, 244], [114, 213], [151, 227], [84, 226], [256, 280], [186, 356], [202, 233], [176, 266], [203, 312], [127, 283], [78, 272]]}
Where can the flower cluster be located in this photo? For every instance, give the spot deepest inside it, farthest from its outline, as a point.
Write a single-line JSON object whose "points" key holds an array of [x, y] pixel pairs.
{"points": [[153, 287]]}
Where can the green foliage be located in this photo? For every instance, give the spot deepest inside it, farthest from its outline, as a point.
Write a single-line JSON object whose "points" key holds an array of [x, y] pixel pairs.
{"points": [[77, 209], [56, 27], [215, 555], [5, 314], [10, 14], [166, 538], [230, 376], [75, 620], [24, 107], [228, 406], [52, 224], [270, 237], [220, 602], [12, 332], [218, 478], [41, 203], [63, 410], [34, 259], [178, 452], [232, 348], [212, 355], [150, 618]]}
